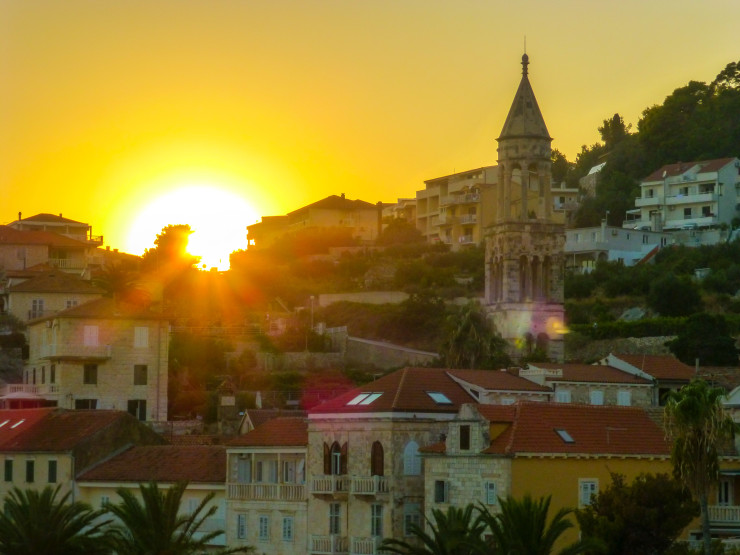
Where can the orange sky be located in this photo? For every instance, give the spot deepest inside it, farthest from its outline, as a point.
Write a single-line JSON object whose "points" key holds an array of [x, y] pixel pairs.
{"points": [[109, 108]]}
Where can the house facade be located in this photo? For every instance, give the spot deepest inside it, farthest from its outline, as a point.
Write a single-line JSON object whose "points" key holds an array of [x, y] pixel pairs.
{"points": [[58, 224], [101, 355]]}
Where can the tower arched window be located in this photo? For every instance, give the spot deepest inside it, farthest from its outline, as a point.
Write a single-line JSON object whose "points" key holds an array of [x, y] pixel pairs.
{"points": [[411, 459], [376, 459]]}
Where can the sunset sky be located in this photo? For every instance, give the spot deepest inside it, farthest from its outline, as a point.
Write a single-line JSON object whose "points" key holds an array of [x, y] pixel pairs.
{"points": [[134, 114]]}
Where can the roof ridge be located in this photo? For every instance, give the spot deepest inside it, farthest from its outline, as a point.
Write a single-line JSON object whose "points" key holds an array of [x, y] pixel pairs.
{"points": [[514, 427], [400, 386]]}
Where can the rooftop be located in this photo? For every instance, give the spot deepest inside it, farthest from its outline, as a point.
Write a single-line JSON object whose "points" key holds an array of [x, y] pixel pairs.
{"points": [[278, 432]]}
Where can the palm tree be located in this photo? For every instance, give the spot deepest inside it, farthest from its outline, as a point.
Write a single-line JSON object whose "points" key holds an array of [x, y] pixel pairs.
{"points": [[40, 523], [698, 426], [453, 533], [521, 528], [471, 341], [154, 526]]}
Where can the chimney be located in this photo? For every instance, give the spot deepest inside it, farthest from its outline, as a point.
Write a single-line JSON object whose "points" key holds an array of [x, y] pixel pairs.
{"points": [[60, 214], [19, 216], [342, 195]]}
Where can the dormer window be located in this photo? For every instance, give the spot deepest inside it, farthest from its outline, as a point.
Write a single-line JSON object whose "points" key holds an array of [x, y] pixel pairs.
{"points": [[364, 398], [439, 397]]}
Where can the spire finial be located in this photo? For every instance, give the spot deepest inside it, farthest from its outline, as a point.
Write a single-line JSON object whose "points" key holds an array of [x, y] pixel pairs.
{"points": [[525, 63]]}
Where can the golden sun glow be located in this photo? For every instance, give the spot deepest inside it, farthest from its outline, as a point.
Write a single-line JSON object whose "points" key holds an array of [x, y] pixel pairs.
{"points": [[217, 216]]}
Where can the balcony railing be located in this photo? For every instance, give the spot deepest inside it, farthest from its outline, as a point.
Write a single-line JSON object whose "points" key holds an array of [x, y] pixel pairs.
{"points": [[460, 199], [68, 263], [267, 492], [648, 201], [330, 484], [369, 485], [31, 389], [329, 545], [365, 546], [725, 514], [692, 199], [74, 350], [469, 219], [36, 313], [465, 239]]}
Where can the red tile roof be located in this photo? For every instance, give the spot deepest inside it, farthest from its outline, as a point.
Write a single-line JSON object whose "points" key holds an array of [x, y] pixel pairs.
{"points": [[278, 432], [51, 429], [595, 430], [56, 282], [259, 416], [108, 309], [662, 367], [335, 202], [498, 380], [406, 390], [163, 463], [593, 373], [10, 236], [44, 217], [672, 170]]}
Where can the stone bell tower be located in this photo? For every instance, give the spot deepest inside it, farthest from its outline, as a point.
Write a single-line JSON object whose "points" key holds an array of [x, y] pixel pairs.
{"points": [[525, 244]]}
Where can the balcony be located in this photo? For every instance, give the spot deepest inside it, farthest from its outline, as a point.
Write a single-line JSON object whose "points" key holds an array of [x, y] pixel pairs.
{"points": [[470, 198], [370, 485], [648, 201], [465, 240], [329, 545], [35, 313], [267, 492], [469, 219], [724, 514], [444, 219], [329, 485], [95, 240], [692, 199], [74, 351]]}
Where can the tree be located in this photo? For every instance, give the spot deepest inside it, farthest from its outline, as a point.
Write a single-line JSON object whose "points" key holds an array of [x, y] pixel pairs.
{"points": [[471, 341], [170, 250], [154, 526], [699, 427], [522, 527], [705, 337], [41, 523], [455, 532], [640, 518], [666, 291], [400, 232]]}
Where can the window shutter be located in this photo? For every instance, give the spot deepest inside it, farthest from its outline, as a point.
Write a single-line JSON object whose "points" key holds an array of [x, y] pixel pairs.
{"points": [[327, 459], [344, 458]]}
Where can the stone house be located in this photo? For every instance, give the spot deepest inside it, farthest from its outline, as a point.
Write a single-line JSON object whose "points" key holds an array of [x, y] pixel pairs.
{"points": [[203, 467], [49, 446], [101, 355], [266, 492], [665, 371]]}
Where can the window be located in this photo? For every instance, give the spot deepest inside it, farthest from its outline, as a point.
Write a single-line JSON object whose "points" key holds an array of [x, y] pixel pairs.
{"points": [[82, 404], [411, 459], [597, 397], [140, 374], [411, 517], [289, 475], [141, 337], [70, 303], [683, 191], [30, 468], [90, 336], [624, 398], [489, 492], [706, 211], [376, 459], [264, 533], [137, 408], [724, 492], [587, 489], [439, 398], [376, 521], [43, 374], [37, 308], [241, 526], [565, 436], [90, 374], [53, 373], [562, 396], [8, 470], [52, 472], [441, 491], [287, 528], [335, 525], [687, 213], [243, 470], [34, 376], [464, 437], [104, 501]]}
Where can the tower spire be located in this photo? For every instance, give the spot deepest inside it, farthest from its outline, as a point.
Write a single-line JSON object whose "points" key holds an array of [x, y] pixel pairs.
{"points": [[525, 63]]}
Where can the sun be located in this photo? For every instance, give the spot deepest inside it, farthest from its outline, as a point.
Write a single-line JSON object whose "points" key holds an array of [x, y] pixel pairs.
{"points": [[217, 216]]}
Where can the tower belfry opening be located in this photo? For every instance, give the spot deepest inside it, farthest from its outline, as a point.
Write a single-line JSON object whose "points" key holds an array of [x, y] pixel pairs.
{"points": [[525, 244]]}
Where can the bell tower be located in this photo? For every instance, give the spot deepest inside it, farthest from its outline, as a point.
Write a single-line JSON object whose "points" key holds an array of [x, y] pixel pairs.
{"points": [[525, 244]]}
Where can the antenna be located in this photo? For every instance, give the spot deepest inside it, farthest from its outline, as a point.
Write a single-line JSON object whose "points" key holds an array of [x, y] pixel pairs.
{"points": [[525, 44]]}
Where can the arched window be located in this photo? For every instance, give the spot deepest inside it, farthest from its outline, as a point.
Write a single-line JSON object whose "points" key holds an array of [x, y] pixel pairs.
{"points": [[411, 459], [376, 459], [336, 459]]}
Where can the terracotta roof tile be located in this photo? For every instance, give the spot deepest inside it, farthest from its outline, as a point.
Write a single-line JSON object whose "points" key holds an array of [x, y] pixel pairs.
{"points": [[278, 432], [595, 430], [193, 439], [108, 309], [163, 463], [406, 390], [44, 217], [497, 380], [259, 416], [672, 170], [53, 429], [662, 367], [10, 236], [56, 282], [593, 373], [335, 202]]}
